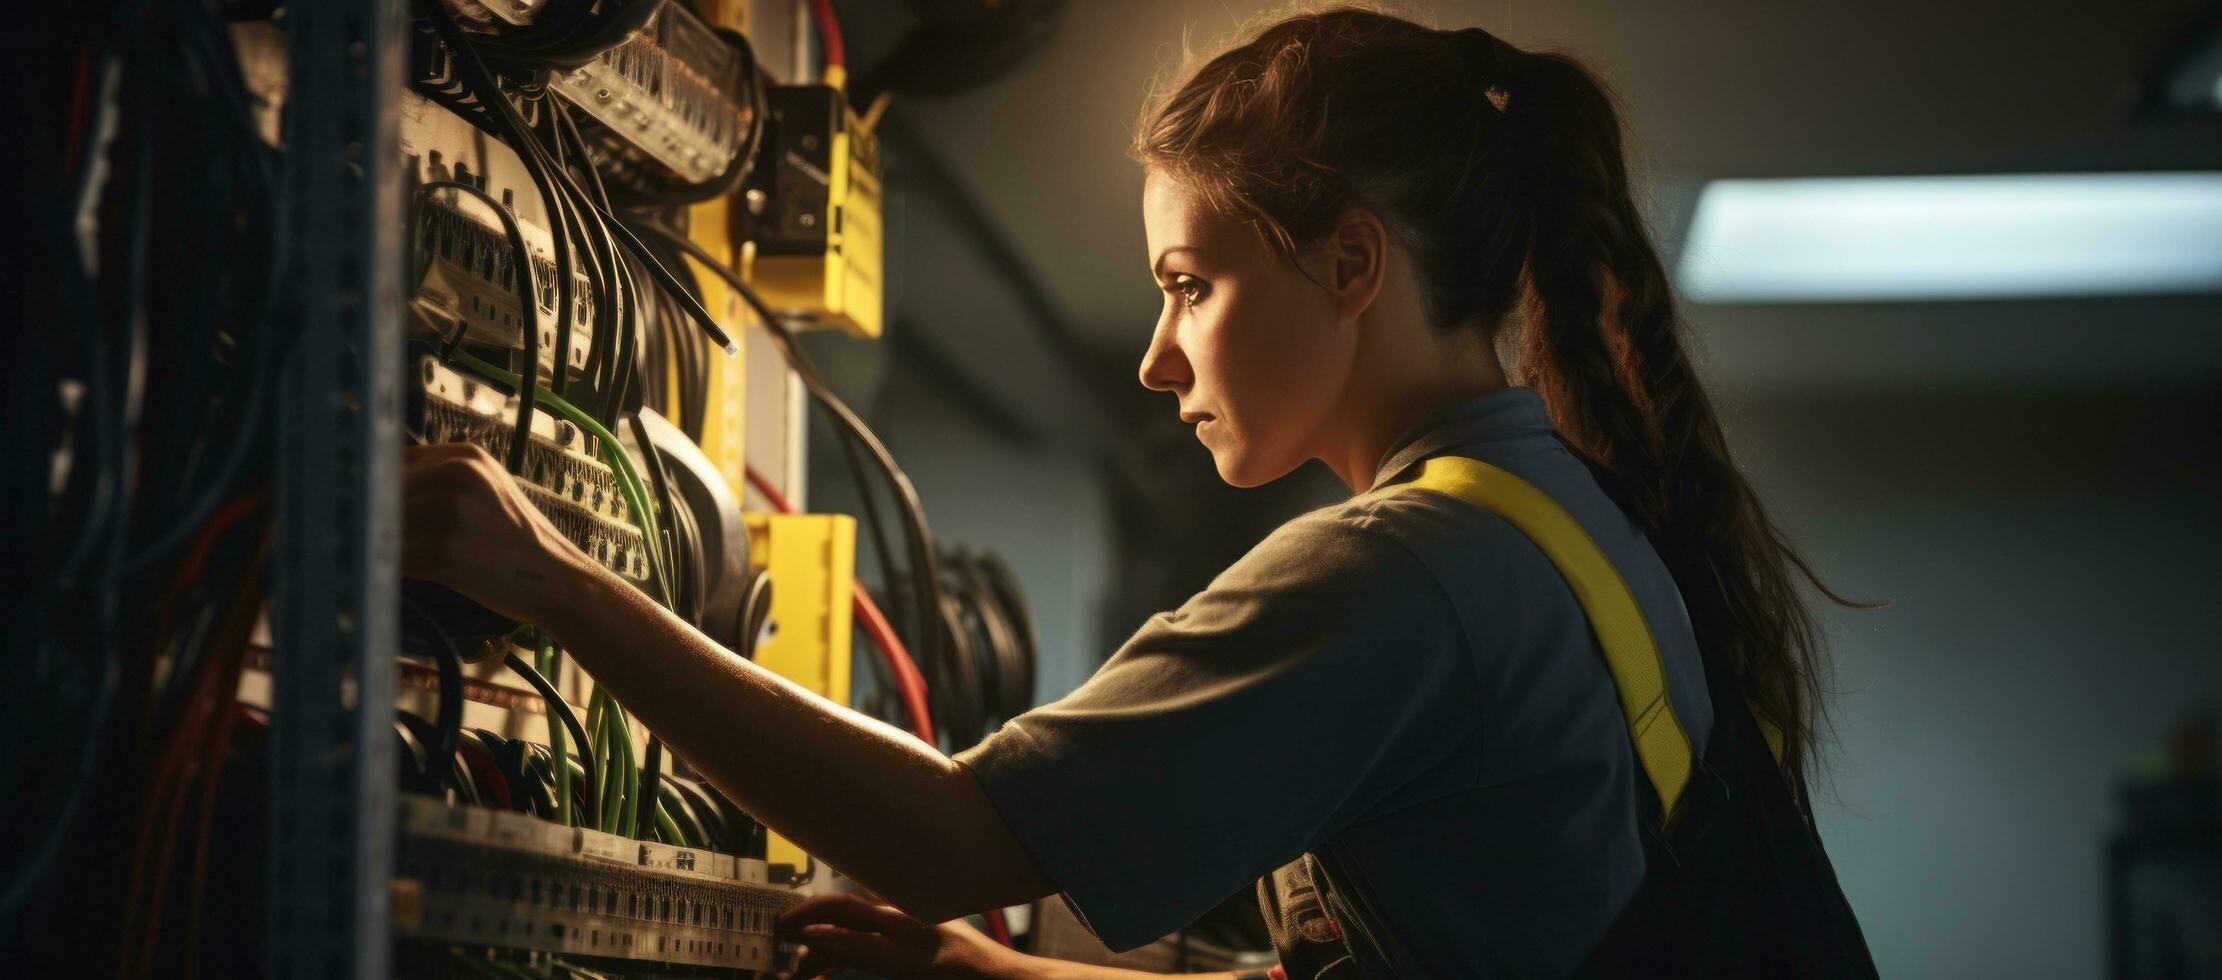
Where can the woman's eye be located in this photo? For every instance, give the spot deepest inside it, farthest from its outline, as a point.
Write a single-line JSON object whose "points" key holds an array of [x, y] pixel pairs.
{"points": [[1190, 289]]}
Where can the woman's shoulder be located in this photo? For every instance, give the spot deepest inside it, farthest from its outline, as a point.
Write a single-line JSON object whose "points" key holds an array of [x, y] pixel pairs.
{"points": [[1376, 543], [1402, 526], [1399, 541], [1358, 538]]}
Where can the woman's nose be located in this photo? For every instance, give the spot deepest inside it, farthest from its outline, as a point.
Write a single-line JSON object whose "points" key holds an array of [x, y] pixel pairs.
{"points": [[1164, 366]]}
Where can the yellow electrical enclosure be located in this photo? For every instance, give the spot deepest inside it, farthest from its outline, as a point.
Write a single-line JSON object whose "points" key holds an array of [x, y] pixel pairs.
{"points": [[812, 559], [818, 247]]}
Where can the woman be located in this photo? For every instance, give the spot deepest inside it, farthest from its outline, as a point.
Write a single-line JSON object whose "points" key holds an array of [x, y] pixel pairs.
{"points": [[1345, 215]]}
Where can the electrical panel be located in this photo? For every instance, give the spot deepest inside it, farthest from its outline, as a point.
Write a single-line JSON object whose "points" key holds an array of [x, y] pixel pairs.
{"points": [[460, 279], [562, 475], [538, 227], [470, 876]]}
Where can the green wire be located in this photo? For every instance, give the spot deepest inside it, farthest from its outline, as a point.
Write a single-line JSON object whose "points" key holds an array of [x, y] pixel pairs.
{"points": [[669, 828], [576, 771], [620, 784], [612, 786], [558, 744], [621, 462], [628, 811]]}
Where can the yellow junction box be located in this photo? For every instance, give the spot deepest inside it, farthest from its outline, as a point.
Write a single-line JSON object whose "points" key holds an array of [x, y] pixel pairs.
{"points": [[812, 558]]}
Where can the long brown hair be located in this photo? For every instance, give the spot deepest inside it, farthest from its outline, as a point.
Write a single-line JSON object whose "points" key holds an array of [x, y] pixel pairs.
{"points": [[1501, 171]]}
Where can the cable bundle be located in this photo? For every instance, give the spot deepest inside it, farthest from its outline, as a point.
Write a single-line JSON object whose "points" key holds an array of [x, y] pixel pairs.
{"points": [[992, 633], [612, 259], [137, 536], [477, 767]]}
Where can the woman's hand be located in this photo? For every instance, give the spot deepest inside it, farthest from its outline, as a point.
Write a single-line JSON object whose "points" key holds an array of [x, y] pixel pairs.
{"points": [[466, 525], [852, 932]]}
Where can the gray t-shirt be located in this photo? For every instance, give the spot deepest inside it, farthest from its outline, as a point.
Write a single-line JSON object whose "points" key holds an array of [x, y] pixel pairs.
{"points": [[1404, 675]]}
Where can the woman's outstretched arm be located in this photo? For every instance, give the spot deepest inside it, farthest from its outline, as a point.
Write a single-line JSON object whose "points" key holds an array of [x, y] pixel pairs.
{"points": [[865, 797]]}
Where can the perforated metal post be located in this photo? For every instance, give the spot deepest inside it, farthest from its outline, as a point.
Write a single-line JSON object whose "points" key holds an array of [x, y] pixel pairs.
{"points": [[332, 744]]}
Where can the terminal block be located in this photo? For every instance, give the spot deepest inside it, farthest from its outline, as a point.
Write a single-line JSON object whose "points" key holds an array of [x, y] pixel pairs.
{"points": [[562, 476], [473, 876]]}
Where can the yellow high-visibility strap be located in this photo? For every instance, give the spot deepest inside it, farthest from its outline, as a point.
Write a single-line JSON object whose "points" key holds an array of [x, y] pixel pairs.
{"points": [[1661, 744]]}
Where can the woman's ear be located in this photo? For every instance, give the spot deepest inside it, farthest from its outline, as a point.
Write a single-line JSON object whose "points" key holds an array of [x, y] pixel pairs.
{"points": [[1359, 246]]}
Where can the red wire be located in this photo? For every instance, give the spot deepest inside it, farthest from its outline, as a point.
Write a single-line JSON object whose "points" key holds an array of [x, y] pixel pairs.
{"points": [[485, 769], [829, 34], [908, 681], [998, 928], [763, 486]]}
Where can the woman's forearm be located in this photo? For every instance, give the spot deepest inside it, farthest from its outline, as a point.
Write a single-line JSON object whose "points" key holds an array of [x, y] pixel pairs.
{"points": [[863, 796], [1041, 968]]}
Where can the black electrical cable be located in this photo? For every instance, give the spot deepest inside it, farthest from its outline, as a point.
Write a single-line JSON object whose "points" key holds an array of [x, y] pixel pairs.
{"points": [[922, 573], [419, 764], [1004, 586], [1014, 681], [528, 299], [541, 762], [690, 357], [444, 770], [447, 724], [600, 264], [616, 309], [707, 813], [118, 416], [628, 293], [568, 717], [616, 382], [651, 769], [664, 277], [513, 757], [566, 44], [962, 686], [653, 390], [221, 67], [528, 794], [481, 81], [561, 125], [660, 482], [756, 605], [983, 671], [560, 379], [661, 479], [694, 370], [692, 558], [901, 608], [682, 813]]}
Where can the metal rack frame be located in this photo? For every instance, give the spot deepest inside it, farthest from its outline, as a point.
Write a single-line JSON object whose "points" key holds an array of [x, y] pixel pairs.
{"points": [[335, 578]]}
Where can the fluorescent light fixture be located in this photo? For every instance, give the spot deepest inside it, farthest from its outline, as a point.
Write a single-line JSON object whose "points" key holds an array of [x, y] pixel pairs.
{"points": [[1858, 239]]}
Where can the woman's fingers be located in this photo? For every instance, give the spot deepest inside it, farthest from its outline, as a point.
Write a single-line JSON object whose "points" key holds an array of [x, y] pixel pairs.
{"points": [[467, 525], [829, 947], [848, 912], [813, 964]]}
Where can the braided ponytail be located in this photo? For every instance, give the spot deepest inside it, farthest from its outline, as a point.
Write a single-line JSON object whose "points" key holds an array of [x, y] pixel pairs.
{"points": [[1529, 209], [1603, 347]]}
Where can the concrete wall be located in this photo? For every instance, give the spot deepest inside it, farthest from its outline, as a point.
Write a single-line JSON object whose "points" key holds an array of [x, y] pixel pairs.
{"points": [[2051, 560]]}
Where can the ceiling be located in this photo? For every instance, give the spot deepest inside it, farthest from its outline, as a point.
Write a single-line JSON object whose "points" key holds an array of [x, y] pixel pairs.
{"points": [[1710, 88]]}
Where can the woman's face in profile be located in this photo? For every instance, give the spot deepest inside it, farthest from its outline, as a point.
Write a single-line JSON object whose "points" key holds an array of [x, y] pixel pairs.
{"points": [[1254, 349]]}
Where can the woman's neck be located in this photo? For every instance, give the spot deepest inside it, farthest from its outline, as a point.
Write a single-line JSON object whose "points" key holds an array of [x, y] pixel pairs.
{"points": [[1404, 376]]}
